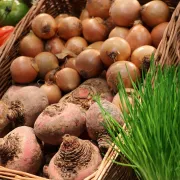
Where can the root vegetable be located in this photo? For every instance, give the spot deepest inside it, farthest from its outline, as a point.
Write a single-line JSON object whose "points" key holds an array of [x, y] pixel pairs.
{"points": [[124, 13], [95, 120], [89, 64], [54, 45], [19, 150], [119, 32], [57, 120], [22, 70], [60, 16], [128, 72], [67, 79], [31, 45], [84, 15], [44, 26], [25, 104], [96, 45], [76, 44], [114, 49], [75, 160], [46, 61], [69, 27], [138, 36], [70, 63], [140, 54], [83, 95]]}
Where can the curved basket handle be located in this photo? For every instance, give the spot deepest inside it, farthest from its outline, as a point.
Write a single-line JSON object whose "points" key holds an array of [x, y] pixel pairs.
{"points": [[178, 44]]}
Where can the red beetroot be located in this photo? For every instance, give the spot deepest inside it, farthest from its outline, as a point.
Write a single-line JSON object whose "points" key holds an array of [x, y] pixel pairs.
{"points": [[75, 160], [57, 120], [19, 150]]}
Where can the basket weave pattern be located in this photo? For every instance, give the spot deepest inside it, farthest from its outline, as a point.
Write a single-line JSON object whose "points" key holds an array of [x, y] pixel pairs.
{"points": [[168, 52]]}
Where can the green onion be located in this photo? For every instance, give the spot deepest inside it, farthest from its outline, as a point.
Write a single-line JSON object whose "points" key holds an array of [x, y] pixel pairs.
{"points": [[151, 139]]}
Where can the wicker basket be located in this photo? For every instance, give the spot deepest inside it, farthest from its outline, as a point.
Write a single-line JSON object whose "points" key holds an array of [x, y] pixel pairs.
{"points": [[168, 52]]}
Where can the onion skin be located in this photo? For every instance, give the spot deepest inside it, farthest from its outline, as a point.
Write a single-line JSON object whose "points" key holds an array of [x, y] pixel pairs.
{"points": [[119, 32], [157, 33], [69, 27], [138, 55], [44, 26], [155, 12], [22, 70], [54, 45], [52, 91], [94, 29], [88, 63], [31, 45], [96, 45], [98, 8], [67, 79], [138, 36], [46, 62], [84, 15], [76, 44], [126, 70], [70, 63], [60, 16], [124, 13], [114, 49]]}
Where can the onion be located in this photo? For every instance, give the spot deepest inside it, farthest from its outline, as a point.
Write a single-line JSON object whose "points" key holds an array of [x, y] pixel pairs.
{"points": [[69, 27], [50, 76], [60, 16], [98, 8], [96, 45], [155, 12], [67, 79], [110, 24], [84, 15], [88, 63], [31, 45], [54, 45], [70, 63], [138, 36], [114, 49], [22, 70], [127, 71], [76, 44], [124, 13], [44, 26], [119, 32], [46, 61], [139, 55], [157, 33], [94, 29], [52, 91], [117, 101]]}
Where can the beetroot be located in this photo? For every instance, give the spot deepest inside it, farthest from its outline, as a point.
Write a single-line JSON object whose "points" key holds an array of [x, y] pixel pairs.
{"points": [[75, 160], [83, 95], [19, 150], [95, 119], [24, 104], [59, 119]]}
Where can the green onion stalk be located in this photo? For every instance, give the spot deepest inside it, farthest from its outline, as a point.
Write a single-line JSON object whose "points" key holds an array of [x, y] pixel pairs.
{"points": [[151, 139]]}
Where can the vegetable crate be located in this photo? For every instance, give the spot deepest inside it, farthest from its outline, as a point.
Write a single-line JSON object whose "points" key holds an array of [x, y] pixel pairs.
{"points": [[168, 53]]}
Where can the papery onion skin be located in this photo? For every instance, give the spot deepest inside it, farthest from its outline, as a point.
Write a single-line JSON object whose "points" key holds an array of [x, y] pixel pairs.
{"points": [[119, 32], [125, 12], [57, 18], [157, 33], [70, 63], [94, 29], [96, 45], [98, 8], [114, 49], [67, 79], [155, 12], [69, 27], [54, 45], [52, 91], [84, 15], [46, 62], [22, 70], [88, 63], [76, 44], [140, 53], [126, 70], [138, 36], [31, 45], [44, 26]]}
